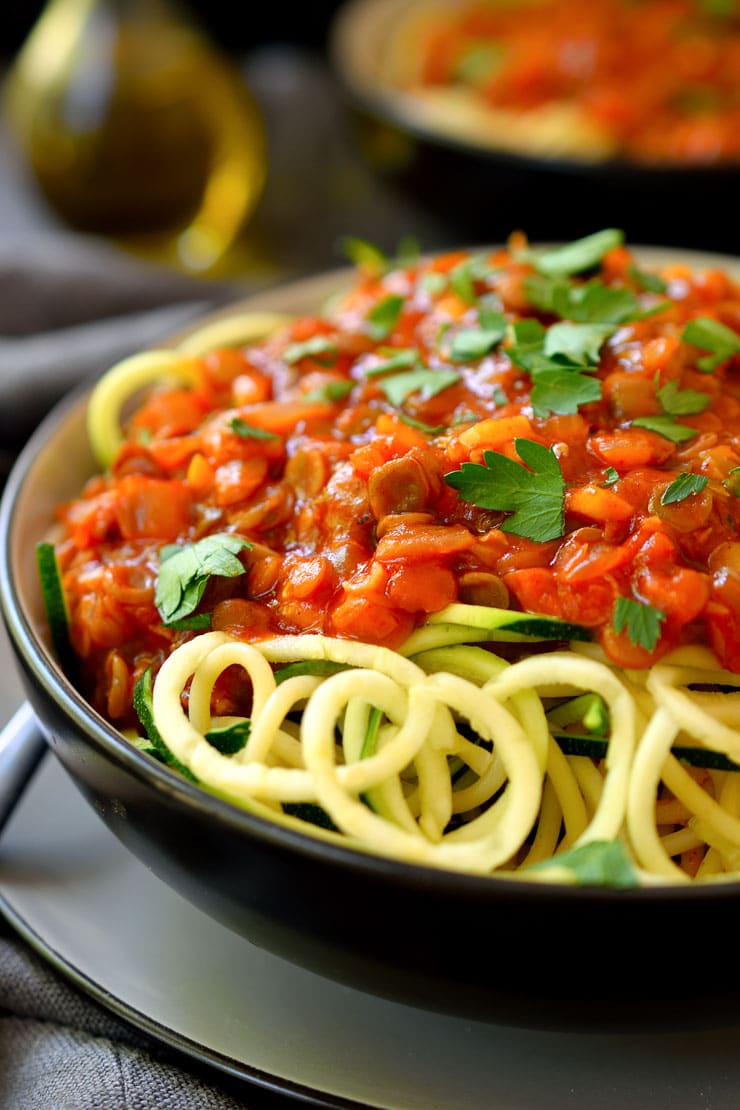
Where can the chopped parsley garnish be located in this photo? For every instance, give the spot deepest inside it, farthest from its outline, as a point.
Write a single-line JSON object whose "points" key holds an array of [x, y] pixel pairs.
{"points": [[427, 382], [472, 344], [364, 254], [562, 391], [248, 431], [186, 569], [682, 402], [432, 283], [591, 303], [610, 476], [576, 257], [329, 391], [653, 283], [310, 348], [384, 316], [579, 343], [665, 426], [711, 335], [641, 621], [732, 482], [498, 397], [464, 276], [427, 429], [403, 359], [683, 486], [533, 493]]}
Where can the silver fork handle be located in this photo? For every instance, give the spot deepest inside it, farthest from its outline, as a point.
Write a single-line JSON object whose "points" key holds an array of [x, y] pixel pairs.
{"points": [[22, 745]]}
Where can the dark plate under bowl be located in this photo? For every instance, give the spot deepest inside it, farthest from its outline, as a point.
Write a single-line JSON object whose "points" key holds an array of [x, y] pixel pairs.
{"points": [[534, 955], [484, 192]]}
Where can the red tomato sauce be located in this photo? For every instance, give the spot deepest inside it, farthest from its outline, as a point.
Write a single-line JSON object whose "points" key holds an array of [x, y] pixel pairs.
{"points": [[660, 78], [355, 531]]}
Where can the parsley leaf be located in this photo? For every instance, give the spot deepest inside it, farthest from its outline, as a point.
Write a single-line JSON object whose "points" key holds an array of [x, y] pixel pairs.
{"points": [[427, 382], [403, 359], [683, 486], [641, 621], [464, 276], [384, 316], [562, 391], [732, 481], [364, 254], [665, 426], [433, 283], [712, 336], [580, 343], [310, 348], [534, 496], [248, 431], [472, 344], [682, 402], [427, 429], [185, 570], [574, 258], [653, 283], [598, 863], [610, 476], [329, 391]]}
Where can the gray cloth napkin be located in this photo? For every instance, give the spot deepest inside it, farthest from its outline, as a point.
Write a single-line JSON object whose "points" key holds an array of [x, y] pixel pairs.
{"points": [[69, 309]]}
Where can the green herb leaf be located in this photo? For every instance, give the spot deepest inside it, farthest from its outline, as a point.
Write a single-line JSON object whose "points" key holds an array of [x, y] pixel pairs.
{"points": [[464, 276], [711, 335], [602, 863], [665, 426], [199, 622], [498, 397], [641, 621], [364, 254], [433, 283], [562, 391], [732, 481], [384, 316], [405, 358], [329, 391], [534, 496], [408, 252], [580, 343], [610, 476], [427, 429], [683, 486], [248, 431], [185, 570], [574, 258], [472, 344], [682, 402], [310, 348], [653, 283], [426, 382], [596, 303], [229, 739]]}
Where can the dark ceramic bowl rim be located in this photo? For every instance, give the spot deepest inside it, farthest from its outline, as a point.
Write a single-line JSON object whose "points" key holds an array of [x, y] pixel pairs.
{"points": [[47, 673], [381, 102]]}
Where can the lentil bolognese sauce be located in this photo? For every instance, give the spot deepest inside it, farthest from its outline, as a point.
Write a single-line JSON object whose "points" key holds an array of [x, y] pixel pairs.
{"points": [[537, 450]]}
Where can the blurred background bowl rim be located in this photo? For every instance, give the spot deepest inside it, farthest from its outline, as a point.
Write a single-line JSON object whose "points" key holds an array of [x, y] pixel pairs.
{"points": [[352, 32]]}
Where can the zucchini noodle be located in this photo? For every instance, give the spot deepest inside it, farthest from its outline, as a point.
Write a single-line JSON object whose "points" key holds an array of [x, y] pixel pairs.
{"points": [[428, 793]]}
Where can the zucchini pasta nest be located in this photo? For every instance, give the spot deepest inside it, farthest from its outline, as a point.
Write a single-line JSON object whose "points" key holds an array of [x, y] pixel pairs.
{"points": [[384, 747], [447, 574]]}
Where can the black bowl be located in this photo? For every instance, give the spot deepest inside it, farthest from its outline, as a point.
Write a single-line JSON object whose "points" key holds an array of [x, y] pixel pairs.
{"points": [[526, 954], [484, 192]]}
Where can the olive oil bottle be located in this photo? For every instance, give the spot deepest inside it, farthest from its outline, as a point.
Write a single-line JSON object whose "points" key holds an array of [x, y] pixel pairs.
{"points": [[136, 127]]}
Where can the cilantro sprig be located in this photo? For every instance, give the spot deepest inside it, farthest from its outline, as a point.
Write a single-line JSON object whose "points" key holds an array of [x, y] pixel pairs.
{"points": [[185, 570], [249, 431], [427, 382], [534, 493], [576, 257], [383, 316], [641, 621], [315, 347], [472, 344]]}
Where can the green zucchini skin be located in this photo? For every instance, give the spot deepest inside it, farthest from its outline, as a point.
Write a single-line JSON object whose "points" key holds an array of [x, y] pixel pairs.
{"points": [[532, 625]]}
